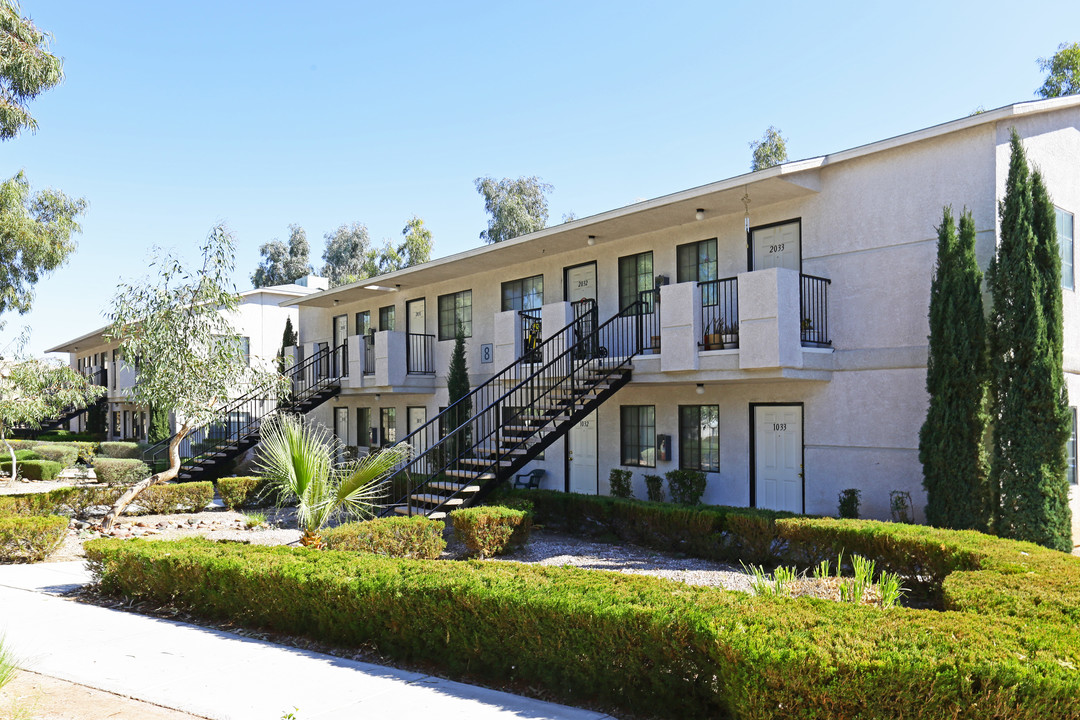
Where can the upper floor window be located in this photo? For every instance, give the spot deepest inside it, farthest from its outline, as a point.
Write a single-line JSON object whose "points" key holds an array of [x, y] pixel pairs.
{"points": [[363, 323], [524, 294], [386, 317], [696, 261], [635, 277], [454, 309], [245, 349], [1065, 243]]}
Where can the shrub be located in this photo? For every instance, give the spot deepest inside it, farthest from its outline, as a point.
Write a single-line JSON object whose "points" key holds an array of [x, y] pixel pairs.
{"points": [[77, 501], [414, 537], [67, 436], [121, 450], [849, 503], [35, 469], [30, 539], [491, 530], [619, 482], [176, 497], [654, 488], [686, 486], [113, 471], [238, 492], [20, 456], [66, 455]]}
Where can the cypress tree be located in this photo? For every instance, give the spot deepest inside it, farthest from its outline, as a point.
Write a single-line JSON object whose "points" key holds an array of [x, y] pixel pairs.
{"points": [[159, 425], [1031, 424], [951, 446], [288, 339], [457, 385]]}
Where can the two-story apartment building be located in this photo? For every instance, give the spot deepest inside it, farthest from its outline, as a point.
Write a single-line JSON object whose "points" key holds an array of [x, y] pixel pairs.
{"points": [[780, 331], [259, 319]]}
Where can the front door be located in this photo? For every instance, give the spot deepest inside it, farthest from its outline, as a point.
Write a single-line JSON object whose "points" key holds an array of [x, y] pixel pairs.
{"points": [[579, 282], [778, 457], [341, 424], [416, 316], [341, 333], [581, 459], [777, 246]]}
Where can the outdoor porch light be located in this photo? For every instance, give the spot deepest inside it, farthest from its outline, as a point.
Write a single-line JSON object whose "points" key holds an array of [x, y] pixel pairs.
{"points": [[700, 214], [700, 389], [592, 240]]}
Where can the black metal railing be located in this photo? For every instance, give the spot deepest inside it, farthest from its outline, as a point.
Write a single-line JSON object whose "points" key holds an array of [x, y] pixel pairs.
{"points": [[719, 314], [649, 320], [419, 354], [369, 354], [531, 330], [238, 421], [469, 444], [814, 311]]}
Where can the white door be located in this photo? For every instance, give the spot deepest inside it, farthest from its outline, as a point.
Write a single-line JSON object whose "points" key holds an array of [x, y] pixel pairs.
{"points": [[341, 333], [417, 416], [416, 316], [777, 246], [341, 424], [778, 462], [581, 456], [581, 282]]}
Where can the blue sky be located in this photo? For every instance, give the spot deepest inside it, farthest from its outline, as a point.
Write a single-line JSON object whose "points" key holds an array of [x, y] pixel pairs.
{"points": [[175, 116]]}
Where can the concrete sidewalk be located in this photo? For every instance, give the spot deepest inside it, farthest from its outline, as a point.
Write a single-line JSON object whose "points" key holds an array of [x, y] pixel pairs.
{"points": [[217, 674]]}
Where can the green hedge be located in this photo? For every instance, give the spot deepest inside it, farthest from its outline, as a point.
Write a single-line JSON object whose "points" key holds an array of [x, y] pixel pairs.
{"points": [[35, 469], [488, 531], [20, 456], [414, 537], [648, 646], [30, 539], [116, 471], [121, 450], [76, 501], [176, 497], [238, 492], [66, 455]]}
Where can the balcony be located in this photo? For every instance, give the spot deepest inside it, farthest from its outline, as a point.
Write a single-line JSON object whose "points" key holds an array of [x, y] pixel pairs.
{"points": [[389, 361]]}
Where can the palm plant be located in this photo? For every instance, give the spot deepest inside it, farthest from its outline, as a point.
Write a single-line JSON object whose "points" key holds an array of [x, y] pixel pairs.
{"points": [[299, 461]]}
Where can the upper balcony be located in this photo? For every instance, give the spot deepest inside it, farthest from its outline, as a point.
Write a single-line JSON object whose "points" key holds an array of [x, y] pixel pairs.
{"points": [[386, 361]]}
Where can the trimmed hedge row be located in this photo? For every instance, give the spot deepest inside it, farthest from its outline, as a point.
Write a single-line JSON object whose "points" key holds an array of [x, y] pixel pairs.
{"points": [[30, 539], [116, 471], [238, 492], [414, 537], [76, 501], [655, 647], [491, 530], [35, 469], [120, 450], [66, 455]]}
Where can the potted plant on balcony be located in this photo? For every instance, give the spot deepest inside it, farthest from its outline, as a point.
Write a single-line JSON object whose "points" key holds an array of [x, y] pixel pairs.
{"points": [[713, 335], [730, 336]]}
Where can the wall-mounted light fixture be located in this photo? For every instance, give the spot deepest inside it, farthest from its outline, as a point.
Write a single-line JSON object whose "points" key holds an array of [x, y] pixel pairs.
{"points": [[700, 214], [336, 301], [591, 241], [700, 389]]}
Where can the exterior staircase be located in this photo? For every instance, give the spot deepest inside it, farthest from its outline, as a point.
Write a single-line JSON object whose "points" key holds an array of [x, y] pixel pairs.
{"points": [[480, 441], [100, 378], [207, 451]]}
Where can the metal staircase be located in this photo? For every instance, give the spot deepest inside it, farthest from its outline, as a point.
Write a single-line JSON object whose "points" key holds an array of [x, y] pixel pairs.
{"points": [[208, 449], [99, 377], [467, 450]]}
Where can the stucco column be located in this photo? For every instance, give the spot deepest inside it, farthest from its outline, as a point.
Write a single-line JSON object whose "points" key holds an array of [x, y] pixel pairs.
{"points": [[680, 326], [769, 319], [507, 338]]}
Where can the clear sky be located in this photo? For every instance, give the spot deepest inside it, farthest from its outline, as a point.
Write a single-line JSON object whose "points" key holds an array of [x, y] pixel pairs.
{"points": [[177, 115]]}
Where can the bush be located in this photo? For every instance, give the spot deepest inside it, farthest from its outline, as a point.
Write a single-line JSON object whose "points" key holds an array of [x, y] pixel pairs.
{"points": [[35, 469], [238, 492], [121, 450], [619, 483], [20, 456], [30, 539], [491, 530], [654, 488], [414, 537], [114, 471], [77, 501], [849, 503], [67, 436], [686, 486], [66, 455], [652, 647], [175, 497]]}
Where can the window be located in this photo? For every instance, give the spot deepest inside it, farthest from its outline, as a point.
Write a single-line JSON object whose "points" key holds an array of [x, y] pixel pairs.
{"points": [[245, 349], [363, 323], [363, 426], [635, 277], [1070, 449], [117, 432], [1065, 243], [388, 425], [386, 318], [638, 434], [524, 294], [699, 437], [115, 370], [453, 309], [696, 261]]}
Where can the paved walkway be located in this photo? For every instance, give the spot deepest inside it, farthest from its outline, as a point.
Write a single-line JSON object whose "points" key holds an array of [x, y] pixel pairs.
{"points": [[217, 674]]}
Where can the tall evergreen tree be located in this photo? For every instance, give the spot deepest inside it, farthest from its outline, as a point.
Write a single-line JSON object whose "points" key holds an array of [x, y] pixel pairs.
{"points": [[288, 339], [159, 424], [457, 385], [1031, 423], [951, 439]]}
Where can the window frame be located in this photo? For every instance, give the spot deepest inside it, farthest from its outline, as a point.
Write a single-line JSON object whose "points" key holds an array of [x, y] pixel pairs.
{"points": [[363, 424], [1060, 216], [388, 317], [365, 327], [385, 414], [522, 294], [637, 435], [692, 449], [458, 310], [1070, 450], [695, 247], [642, 280]]}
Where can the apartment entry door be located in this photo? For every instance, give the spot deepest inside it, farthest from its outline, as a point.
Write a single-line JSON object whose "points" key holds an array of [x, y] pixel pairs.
{"points": [[416, 316], [341, 333], [777, 245], [579, 281], [777, 457], [581, 462]]}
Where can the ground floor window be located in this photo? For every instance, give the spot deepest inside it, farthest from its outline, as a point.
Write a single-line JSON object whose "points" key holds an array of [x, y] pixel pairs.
{"points": [[388, 425], [637, 433], [363, 426], [699, 437], [1070, 448]]}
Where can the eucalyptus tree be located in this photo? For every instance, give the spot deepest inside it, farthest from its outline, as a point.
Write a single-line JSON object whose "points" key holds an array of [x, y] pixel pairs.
{"points": [[27, 69], [1062, 72], [516, 207], [283, 264], [349, 256], [770, 150], [176, 329]]}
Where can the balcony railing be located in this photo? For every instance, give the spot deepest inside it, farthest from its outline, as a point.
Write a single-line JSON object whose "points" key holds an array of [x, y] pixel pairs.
{"points": [[369, 354], [419, 354], [719, 314], [531, 328], [814, 312], [649, 320]]}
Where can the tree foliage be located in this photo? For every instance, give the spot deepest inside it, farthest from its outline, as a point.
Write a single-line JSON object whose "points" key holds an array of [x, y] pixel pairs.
{"points": [[770, 150], [415, 248], [349, 256], [27, 69], [1030, 411], [516, 207], [951, 440], [1062, 72], [283, 264], [159, 425], [288, 339], [35, 238]]}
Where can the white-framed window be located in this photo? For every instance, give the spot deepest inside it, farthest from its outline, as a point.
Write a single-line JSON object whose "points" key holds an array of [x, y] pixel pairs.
{"points": [[1070, 449], [1065, 227]]}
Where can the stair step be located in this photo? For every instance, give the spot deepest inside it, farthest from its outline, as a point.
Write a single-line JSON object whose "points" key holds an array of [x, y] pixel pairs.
{"points": [[471, 474], [483, 461], [403, 510], [453, 487], [437, 499], [526, 428]]}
